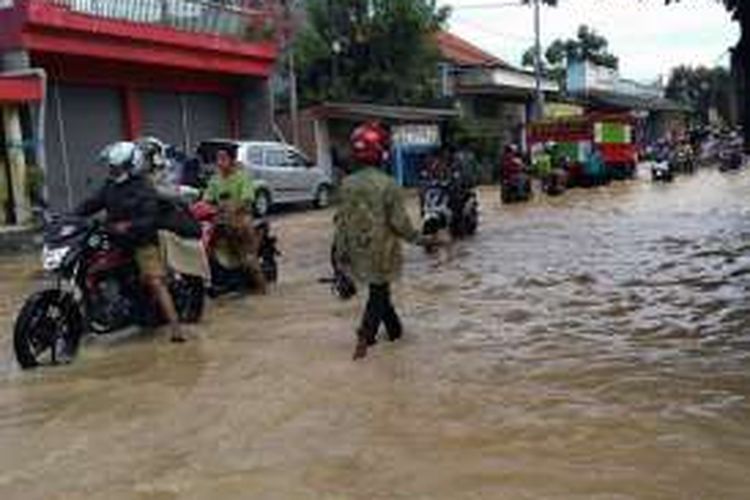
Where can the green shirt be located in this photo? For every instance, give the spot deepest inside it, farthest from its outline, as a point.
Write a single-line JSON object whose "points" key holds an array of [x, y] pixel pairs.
{"points": [[238, 188], [543, 165], [370, 224]]}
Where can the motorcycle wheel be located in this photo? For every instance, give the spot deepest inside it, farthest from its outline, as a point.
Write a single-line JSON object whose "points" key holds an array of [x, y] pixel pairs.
{"points": [[48, 329], [189, 298]]}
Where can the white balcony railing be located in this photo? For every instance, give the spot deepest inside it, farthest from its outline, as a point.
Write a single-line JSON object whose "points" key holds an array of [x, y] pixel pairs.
{"points": [[232, 18]]}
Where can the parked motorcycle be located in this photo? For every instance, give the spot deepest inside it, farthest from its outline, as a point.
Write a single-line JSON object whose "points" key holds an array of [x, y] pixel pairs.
{"points": [[96, 290], [449, 206], [227, 275]]}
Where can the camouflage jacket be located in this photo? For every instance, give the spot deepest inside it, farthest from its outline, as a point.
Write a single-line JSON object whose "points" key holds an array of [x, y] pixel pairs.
{"points": [[370, 224]]}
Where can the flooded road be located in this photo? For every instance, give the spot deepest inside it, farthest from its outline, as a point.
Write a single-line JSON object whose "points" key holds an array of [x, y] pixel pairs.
{"points": [[591, 346]]}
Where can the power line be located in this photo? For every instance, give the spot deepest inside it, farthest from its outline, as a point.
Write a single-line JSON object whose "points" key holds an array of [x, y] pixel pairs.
{"points": [[480, 6], [495, 33]]}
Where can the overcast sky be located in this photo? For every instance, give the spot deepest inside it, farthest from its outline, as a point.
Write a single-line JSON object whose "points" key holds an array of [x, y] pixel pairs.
{"points": [[649, 37]]}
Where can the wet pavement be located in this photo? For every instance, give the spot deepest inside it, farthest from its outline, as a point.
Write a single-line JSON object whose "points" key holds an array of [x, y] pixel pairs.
{"points": [[589, 346]]}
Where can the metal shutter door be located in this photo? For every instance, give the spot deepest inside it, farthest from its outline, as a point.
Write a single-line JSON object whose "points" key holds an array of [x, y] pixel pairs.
{"points": [[208, 117], [81, 121], [163, 117]]}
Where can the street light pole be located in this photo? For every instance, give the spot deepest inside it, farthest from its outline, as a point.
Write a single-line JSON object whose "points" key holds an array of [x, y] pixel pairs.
{"points": [[538, 94]]}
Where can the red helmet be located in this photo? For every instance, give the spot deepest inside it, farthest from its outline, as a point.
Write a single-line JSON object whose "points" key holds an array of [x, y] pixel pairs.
{"points": [[370, 143]]}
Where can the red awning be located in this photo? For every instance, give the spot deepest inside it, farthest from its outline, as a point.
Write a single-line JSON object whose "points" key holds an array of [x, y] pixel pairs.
{"points": [[20, 89]]}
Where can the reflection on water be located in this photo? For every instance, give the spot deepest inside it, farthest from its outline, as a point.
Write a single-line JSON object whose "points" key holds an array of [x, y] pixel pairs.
{"points": [[591, 346]]}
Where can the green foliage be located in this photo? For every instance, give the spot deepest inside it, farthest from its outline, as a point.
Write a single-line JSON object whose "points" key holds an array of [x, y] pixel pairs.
{"points": [[588, 45], [376, 51], [701, 88]]}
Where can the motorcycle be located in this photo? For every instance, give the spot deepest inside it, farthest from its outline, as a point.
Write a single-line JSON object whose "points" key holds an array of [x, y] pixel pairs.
{"points": [[661, 171], [449, 206], [682, 161], [731, 156], [516, 189], [227, 275], [730, 161], [96, 290], [555, 183]]}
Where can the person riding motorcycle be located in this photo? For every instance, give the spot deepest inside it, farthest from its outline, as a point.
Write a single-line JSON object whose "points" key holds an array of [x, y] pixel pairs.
{"points": [[594, 167], [542, 163], [512, 165], [132, 209], [369, 225], [164, 173], [232, 191]]}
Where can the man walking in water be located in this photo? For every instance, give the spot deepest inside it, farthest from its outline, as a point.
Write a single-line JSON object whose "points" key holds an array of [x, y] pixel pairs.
{"points": [[370, 224]]}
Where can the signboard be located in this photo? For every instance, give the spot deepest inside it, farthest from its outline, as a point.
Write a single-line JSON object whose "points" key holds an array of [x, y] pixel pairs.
{"points": [[416, 135], [613, 133], [600, 78]]}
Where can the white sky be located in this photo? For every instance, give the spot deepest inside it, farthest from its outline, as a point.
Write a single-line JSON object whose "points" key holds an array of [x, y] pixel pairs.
{"points": [[649, 37]]}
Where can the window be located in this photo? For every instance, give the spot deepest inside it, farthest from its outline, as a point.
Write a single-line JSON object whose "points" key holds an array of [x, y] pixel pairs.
{"points": [[276, 158], [255, 156], [296, 160]]}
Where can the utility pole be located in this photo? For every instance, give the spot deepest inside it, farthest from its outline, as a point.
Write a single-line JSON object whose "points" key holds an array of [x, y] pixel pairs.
{"points": [[538, 94]]}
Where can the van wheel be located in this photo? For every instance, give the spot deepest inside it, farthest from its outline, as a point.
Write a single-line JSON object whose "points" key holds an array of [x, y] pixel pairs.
{"points": [[262, 203], [323, 197]]}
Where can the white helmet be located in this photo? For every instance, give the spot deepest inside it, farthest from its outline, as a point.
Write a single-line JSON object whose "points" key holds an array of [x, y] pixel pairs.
{"points": [[123, 154], [153, 151]]}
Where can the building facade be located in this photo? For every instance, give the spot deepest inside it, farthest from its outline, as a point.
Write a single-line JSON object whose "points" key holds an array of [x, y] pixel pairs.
{"points": [[181, 70], [494, 98], [602, 89]]}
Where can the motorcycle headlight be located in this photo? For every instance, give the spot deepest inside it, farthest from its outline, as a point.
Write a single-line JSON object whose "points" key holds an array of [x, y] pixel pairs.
{"points": [[52, 258]]}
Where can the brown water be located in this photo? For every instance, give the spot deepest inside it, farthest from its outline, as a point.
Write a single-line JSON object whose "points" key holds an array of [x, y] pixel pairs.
{"points": [[591, 346]]}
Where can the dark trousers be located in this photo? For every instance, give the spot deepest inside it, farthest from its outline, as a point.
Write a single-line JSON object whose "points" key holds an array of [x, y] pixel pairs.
{"points": [[380, 310]]}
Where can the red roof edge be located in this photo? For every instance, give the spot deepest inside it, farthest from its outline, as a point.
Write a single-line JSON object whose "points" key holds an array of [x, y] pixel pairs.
{"points": [[462, 52]]}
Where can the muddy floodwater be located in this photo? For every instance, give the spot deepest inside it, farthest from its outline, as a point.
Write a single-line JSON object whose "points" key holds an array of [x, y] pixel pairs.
{"points": [[594, 346]]}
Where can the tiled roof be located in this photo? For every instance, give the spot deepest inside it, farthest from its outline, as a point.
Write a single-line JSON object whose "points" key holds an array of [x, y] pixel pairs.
{"points": [[463, 53]]}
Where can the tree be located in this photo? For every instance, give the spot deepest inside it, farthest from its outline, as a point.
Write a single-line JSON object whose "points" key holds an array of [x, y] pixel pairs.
{"points": [[701, 89], [740, 11], [376, 51], [587, 46]]}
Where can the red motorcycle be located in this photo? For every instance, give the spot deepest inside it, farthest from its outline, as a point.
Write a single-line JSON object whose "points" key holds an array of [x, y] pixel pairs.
{"points": [[226, 275], [96, 289]]}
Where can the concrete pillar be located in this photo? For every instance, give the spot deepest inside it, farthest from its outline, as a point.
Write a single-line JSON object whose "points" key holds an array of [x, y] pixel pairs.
{"points": [[323, 145], [15, 60], [17, 161]]}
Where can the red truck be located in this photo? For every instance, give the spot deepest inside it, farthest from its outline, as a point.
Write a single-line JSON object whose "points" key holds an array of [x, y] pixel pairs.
{"points": [[576, 136]]}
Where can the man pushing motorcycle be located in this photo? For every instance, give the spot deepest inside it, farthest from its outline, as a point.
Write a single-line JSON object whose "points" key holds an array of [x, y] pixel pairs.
{"points": [[232, 191], [132, 208]]}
